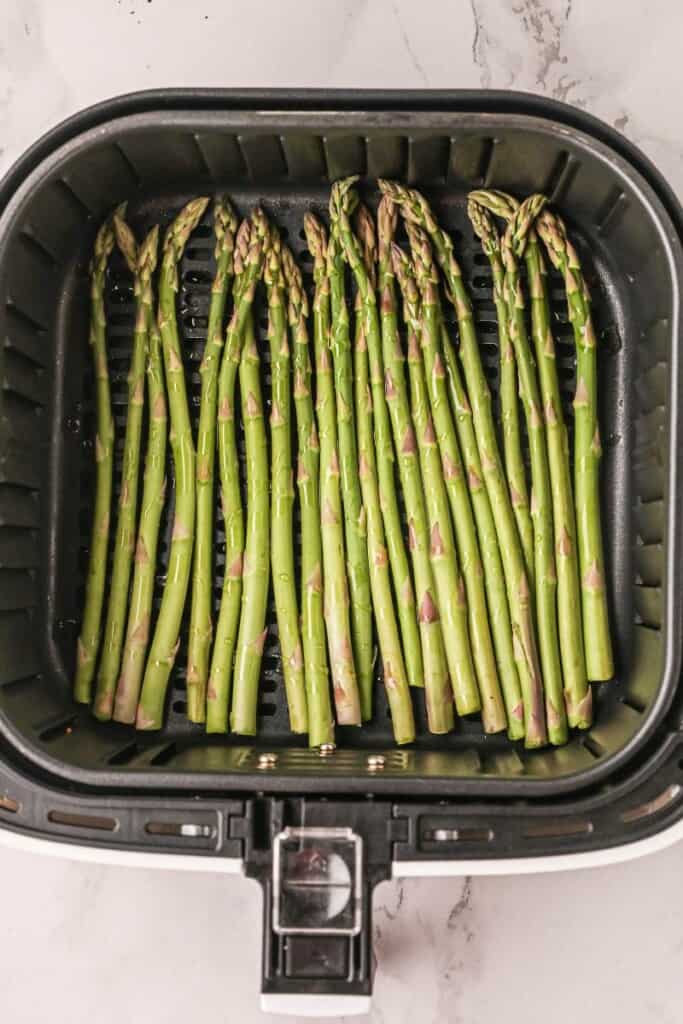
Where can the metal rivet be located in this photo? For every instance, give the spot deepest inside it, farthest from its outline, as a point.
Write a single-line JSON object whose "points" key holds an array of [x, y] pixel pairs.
{"points": [[326, 749], [267, 760], [376, 762]]}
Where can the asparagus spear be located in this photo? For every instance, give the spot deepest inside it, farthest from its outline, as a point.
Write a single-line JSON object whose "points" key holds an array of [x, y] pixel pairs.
{"points": [[541, 503], [281, 513], [416, 209], [89, 638], [525, 239], [355, 527], [393, 665], [248, 266], [450, 588], [438, 696], [166, 635], [577, 694], [485, 229], [336, 592], [225, 225], [494, 578], [141, 264], [154, 490], [343, 200], [252, 630], [587, 452], [320, 719], [493, 709]]}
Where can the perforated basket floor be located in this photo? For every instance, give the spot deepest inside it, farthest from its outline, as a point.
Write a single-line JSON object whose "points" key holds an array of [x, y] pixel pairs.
{"points": [[286, 161]]}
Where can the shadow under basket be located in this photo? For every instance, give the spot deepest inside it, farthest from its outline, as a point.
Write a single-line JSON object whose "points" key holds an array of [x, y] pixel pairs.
{"points": [[285, 156]]}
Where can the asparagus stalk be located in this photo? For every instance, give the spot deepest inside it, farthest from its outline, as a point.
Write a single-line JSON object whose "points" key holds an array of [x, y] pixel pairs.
{"points": [[355, 527], [450, 588], [248, 266], [587, 453], [577, 694], [282, 484], [393, 665], [494, 578], [89, 638], [225, 225], [493, 709], [320, 718], [144, 574], [336, 591], [416, 209], [141, 264], [167, 632], [343, 200], [438, 696], [541, 504], [524, 239], [486, 231], [256, 568]]}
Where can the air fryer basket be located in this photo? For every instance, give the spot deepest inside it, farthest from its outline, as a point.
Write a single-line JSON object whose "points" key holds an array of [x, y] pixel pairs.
{"points": [[286, 158]]}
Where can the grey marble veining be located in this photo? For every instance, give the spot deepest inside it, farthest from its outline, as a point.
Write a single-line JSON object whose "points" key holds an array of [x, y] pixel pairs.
{"points": [[86, 943]]}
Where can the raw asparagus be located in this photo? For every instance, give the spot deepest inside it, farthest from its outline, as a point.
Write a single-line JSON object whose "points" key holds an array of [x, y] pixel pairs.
{"points": [[89, 638], [486, 231], [320, 719], [494, 578], [141, 263], [438, 695], [493, 709], [587, 453], [343, 200], [541, 503], [225, 225], [144, 574], [256, 568], [335, 585], [167, 632], [248, 266], [355, 527], [450, 587], [576, 696], [393, 665], [282, 488], [416, 209]]}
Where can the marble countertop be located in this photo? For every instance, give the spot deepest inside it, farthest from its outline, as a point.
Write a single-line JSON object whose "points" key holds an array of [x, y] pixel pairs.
{"points": [[82, 943]]}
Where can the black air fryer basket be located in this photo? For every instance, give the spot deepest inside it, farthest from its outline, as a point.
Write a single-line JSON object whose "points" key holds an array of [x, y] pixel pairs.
{"points": [[446, 798]]}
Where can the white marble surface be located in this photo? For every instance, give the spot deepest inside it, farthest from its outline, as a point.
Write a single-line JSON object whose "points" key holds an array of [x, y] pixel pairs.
{"points": [[83, 943]]}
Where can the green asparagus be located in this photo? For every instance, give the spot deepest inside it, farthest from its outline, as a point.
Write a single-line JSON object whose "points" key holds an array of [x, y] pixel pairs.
{"points": [[450, 587], [416, 209], [248, 266], [438, 695], [493, 709], [486, 231], [256, 567], [320, 718], [355, 526], [343, 200], [393, 665], [141, 264], [494, 578], [335, 585], [89, 638], [587, 453], [282, 487], [225, 225], [144, 574], [167, 632]]}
